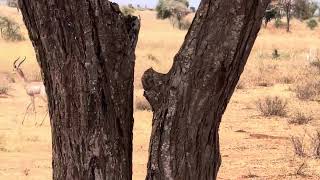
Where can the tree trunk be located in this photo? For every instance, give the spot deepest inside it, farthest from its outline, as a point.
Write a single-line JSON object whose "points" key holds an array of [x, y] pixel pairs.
{"points": [[86, 52], [189, 101], [288, 20]]}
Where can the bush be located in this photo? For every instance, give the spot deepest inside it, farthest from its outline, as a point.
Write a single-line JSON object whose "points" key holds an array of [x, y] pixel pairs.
{"points": [[307, 91], [272, 106], [315, 143], [127, 10], [184, 24], [316, 64], [168, 8], [300, 118], [10, 30], [312, 24], [163, 10], [4, 89], [298, 146], [278, 23], [304, 9]]}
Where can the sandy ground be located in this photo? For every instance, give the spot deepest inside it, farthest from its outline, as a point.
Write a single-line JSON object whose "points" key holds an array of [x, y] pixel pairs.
{"points": [[252, 146]]}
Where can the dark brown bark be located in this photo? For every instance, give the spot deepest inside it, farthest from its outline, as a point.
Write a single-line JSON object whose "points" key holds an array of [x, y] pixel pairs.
{"points": [[86, 52], [288, 15], [189, 101]]}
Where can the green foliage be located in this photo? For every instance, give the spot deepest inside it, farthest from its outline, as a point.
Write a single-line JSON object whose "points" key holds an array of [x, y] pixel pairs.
{"points": [[10, 30], [272, 12], [312, 23], [168, 8], [278, 23], [127, 10], [304, 9], [163, 10]]}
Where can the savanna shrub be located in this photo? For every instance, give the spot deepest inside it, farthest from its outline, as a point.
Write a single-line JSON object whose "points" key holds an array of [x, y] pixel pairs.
{"points": [[10, 30], [312, 23], [272, 106]]}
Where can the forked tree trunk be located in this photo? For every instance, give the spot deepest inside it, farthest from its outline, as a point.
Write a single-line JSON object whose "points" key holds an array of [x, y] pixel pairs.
{"points": [[189, 101], [86, 52]]}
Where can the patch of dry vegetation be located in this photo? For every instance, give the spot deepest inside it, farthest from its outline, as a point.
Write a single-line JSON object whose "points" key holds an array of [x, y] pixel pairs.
{"points": [[307, 90], [300, 118], [272, 106], [298, 146], [4, 88], [315, 145]]}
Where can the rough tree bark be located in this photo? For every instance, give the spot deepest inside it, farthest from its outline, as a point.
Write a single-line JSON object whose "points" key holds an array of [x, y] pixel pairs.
{"points": [[189, 101], [86, 52]]}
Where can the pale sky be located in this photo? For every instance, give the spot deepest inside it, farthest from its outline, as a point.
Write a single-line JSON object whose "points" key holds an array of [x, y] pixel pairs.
{"points": [[149, 3]]}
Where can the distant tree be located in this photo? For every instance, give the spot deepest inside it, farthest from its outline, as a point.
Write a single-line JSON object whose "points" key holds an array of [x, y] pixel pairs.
{"points": [[13, 3], [167, 8], [163, 10], [272, 12], [286, 5], [304, 9], [10, 30], [193, 9], [130, 6], [185, 2], [176, 10], [126, 10]]}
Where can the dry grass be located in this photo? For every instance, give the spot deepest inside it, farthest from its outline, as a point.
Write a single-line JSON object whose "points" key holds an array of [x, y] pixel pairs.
{"points": [[315, 145], [307, 90], [4, 88], [300, 118], [250, 175], [301, 170], [272, 106], [298, 146], [316, 64]]}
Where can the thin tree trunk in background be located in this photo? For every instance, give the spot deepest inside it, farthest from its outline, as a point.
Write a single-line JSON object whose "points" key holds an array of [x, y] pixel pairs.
{"points": [[85, 49], [288, 20], [189, 101]]}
